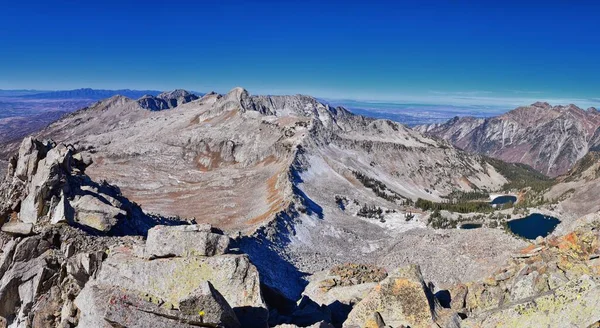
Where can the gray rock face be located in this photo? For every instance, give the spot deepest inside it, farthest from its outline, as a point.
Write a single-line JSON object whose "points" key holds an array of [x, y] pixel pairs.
{"points": [[95, 213], [105, 306], [30, 152], [182, 241], [549, 139], [31, 273], [179, 284], [207, 302], [401, 299], [166, 100], [18, 228]]}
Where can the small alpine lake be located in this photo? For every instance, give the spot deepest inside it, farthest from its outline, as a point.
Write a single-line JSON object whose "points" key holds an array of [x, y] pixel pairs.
{"points": [[533, 225], [504, 200], [468, 226]]}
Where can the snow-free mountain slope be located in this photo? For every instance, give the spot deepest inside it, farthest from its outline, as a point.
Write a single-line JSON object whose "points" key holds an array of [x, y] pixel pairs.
{"points": [[548, 138]]}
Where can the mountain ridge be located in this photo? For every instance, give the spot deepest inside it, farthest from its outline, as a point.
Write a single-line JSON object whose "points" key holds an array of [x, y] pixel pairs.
{"points": [[548, 138], [89, 93]]}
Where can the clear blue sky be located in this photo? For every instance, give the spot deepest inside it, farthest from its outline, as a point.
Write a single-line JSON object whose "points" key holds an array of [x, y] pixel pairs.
{"points": [[335, 49]]}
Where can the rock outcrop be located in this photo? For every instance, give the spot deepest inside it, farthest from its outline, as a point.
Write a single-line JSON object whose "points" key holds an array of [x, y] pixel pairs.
{"points": [[166, 100], [553, 283], [178, 288], [402, 299], [42, 274], [194, 240], [46, 184], [347, 283]]}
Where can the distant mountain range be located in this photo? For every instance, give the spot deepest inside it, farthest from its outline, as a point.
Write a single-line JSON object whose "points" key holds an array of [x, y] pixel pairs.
{"points": [[87, 93], [551, 139]]}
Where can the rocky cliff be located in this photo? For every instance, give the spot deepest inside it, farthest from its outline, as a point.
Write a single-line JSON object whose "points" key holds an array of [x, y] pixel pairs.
{"points": [[550, 139]]}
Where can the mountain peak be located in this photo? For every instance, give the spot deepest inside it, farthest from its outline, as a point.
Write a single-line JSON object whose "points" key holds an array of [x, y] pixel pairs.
{"points": [[542, 104], [167, 99], [175, 94], [237, 93]]}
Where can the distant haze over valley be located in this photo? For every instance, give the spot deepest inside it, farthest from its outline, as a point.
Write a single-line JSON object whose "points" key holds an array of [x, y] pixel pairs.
{"points": [[438, 107]]}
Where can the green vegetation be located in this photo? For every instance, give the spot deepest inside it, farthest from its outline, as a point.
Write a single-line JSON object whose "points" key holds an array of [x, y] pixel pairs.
{"points": [[531, 199], [378, 187], [341, 202], [583, 165], [521, 176], [458, 196], [460, 207], [372, 212], [493, 220], [438, 221]]}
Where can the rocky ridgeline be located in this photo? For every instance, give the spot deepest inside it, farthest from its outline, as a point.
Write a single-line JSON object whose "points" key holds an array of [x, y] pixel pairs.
{"points": [[166, 100]]}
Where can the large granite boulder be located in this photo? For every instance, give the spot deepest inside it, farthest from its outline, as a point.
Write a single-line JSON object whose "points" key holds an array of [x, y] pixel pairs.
{"points": [[30, 152], [192, 240], [346, 283], [402, 299], [109, 306], [574, 304], [174, 281]]}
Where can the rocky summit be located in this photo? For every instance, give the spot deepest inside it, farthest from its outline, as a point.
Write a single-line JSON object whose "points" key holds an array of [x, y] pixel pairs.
{"points": [[238, 210]]}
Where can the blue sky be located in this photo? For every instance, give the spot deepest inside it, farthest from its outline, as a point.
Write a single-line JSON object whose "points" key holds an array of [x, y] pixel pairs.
{"points": [[409, 51]]}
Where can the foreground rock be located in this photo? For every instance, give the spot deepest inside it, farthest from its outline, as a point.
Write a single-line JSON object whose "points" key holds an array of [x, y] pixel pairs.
{"points": [[42, 274], [341, 287], [46, 184], [402, 299], [194, 240], [554, 283], [175, 287]]}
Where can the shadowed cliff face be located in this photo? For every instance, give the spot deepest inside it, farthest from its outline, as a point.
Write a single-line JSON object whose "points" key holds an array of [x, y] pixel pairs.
{"points": [[549, 139]]}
